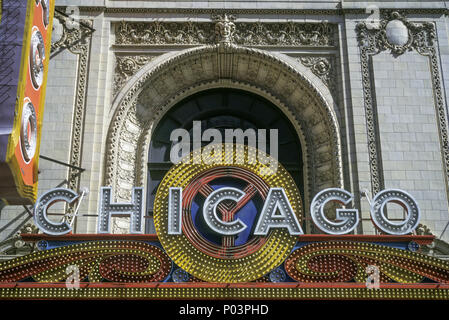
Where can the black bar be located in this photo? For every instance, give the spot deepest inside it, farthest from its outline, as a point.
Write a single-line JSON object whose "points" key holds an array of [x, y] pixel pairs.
{"points": [[62, 163], [28, 210]]}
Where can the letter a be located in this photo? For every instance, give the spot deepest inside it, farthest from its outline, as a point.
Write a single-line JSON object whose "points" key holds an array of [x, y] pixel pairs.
{"points": [[277, 213]]}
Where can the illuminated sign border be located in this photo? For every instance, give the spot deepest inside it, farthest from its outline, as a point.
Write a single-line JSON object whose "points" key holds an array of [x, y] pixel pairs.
{"points": [[194, 257], [47, 267]]}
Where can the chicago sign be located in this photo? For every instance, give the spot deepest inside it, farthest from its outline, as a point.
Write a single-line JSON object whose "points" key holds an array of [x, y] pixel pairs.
{"points": [[230, 223]]}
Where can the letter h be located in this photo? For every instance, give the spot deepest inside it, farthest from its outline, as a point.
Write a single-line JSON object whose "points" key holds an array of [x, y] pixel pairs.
{"points": [[133, 209]]}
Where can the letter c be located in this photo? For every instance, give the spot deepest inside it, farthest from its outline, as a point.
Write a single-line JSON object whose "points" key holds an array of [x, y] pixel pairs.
{"points": [[46, 201], [211, 215]]}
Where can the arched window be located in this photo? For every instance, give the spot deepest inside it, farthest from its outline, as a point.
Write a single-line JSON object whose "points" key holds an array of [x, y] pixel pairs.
{"points": [[221, 109]]}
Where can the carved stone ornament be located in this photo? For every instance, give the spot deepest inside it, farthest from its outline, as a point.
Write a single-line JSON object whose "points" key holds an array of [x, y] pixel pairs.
{"points": [[423, 230], [226, 29], [126, 67], [323, 68], [399, 35], [76, 38]]}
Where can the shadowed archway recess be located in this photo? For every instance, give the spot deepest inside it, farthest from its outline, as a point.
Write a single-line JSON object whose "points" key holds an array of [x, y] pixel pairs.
{"points": [[172, 77], [221, 109]]}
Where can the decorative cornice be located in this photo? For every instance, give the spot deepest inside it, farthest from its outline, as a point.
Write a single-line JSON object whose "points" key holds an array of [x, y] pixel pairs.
{"points": [[257, 11], [242, 33]]}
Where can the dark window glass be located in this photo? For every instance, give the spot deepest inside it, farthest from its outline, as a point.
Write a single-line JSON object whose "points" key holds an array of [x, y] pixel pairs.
{"points": [[221, 109]]}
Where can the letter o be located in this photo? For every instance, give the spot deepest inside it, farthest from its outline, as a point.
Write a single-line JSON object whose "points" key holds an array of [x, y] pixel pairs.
{"points": [[406, 201]]}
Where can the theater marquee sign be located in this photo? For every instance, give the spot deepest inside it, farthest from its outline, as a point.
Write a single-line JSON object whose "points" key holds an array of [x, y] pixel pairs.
{"points": [[25, 49], [228, 230]]}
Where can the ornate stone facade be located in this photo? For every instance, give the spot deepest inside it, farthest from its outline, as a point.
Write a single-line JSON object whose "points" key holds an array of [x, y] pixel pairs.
{"points": [[158, 89], [420, 37]]}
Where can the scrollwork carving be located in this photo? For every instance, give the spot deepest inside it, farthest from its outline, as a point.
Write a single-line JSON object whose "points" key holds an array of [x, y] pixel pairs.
{"points": [[285, 34], [164, 33], [126, 67], [73, 39], [76, 40], [226, 29], [323, 68], [410, 35]]}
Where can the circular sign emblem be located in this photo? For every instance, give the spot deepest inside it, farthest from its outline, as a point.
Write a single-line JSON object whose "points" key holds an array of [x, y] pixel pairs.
{"points": [[37, 56], [230, 257], [28, 131]]}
